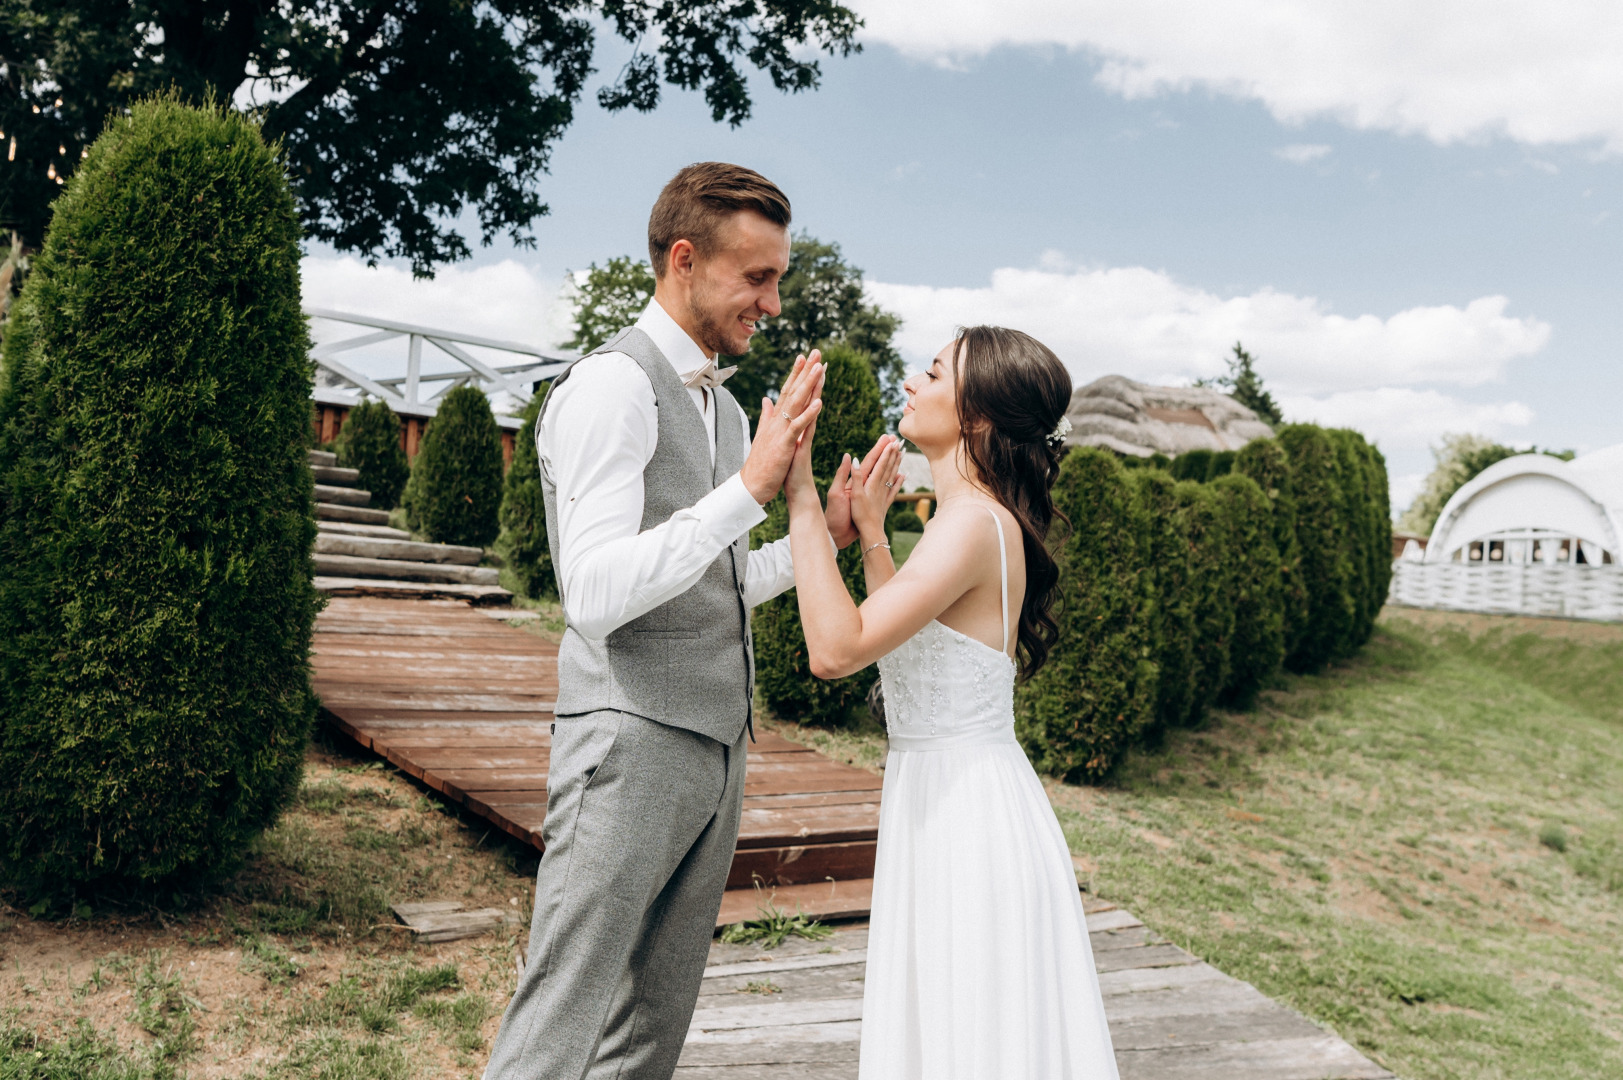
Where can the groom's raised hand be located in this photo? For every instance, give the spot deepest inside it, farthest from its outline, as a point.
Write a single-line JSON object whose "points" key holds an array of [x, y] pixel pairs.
{"points": [[778, 433]]}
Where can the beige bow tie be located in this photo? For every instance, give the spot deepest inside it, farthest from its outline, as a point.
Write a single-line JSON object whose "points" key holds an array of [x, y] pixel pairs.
{"points": [[709, 375]]}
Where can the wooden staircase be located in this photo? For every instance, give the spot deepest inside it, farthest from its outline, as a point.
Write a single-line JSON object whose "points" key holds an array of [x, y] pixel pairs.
{"points": [[358, 553], [464, 703]]}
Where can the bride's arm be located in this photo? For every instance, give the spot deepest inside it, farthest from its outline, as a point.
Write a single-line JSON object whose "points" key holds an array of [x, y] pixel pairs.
{"points": [[842, 638]]}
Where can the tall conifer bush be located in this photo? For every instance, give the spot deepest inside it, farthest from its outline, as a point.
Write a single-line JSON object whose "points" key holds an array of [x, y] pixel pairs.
{"points": [[1211, 589], [155, 514], [851, 421], [1321, 532], [370, 441], [455, 492], [526, 559], [1097, 693], [1166, 554], [1258, 644], [1265, 461]]}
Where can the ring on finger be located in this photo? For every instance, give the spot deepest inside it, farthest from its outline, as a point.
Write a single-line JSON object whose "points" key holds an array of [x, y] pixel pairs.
{"points": [[784, 416], [889, 483]]}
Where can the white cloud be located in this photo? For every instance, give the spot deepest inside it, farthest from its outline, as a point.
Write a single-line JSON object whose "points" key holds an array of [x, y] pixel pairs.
{"points": [[1303, 153], [505, 300], [1450, 70], [1400, 418], [1142, 323]]}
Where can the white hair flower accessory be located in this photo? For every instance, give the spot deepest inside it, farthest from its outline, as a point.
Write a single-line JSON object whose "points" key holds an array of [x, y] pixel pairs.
{"points": [[1061, 429]]}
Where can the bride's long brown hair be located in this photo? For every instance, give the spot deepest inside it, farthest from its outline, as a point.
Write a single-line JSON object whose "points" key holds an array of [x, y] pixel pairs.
{"points": [[1012, 392]]}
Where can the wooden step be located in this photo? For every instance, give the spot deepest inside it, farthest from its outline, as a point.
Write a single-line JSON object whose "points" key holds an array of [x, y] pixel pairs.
{"points": [[801, 864], [332, 474], [351, 528], [322, 457], [850, 899], [482, 595], [359, 515], [344, 496], [354, 566], [387, 548]]}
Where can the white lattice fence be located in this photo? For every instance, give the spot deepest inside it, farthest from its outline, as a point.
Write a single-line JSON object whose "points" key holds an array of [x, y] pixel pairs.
{"points": [[1572, 592]]}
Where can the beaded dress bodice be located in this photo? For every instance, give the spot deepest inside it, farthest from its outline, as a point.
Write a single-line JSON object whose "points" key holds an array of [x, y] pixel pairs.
{"points": [[945, 689]]}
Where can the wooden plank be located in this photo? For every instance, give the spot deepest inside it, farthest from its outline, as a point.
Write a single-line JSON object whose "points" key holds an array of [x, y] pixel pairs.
{"points": [[776, 1014], [1115, 919], [1317, 1057], [1149, 956], [801, 865], [1271, 1021], [764, 827], [786, 963], [823, 900]]}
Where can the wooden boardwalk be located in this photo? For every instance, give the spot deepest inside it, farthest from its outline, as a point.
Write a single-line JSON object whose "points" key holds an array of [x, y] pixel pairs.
{"points": [[463, 702], [1171, 1016]]}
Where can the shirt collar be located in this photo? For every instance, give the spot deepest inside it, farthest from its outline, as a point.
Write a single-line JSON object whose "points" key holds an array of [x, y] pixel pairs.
{"points": [[673, 341]]}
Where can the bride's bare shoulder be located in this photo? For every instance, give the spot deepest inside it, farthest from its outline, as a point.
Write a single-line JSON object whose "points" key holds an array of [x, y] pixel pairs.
{"points": [[960, 533]]}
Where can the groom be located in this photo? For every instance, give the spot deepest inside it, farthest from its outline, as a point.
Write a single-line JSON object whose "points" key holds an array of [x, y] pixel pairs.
{"points": [[652, 483]]}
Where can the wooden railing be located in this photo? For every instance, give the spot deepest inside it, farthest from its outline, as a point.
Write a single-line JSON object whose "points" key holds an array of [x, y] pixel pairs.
{"points": [[509, 384]]}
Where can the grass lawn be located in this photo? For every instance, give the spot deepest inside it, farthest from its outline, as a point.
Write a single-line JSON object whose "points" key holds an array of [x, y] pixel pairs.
{"points": [[1423, 848]]}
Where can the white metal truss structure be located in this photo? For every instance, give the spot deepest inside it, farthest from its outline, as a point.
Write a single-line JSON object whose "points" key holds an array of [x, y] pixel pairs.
{"points": [[509, 385]]}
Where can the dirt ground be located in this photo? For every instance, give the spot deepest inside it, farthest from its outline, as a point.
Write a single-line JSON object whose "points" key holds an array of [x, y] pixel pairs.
{"points": [[297, 968]]}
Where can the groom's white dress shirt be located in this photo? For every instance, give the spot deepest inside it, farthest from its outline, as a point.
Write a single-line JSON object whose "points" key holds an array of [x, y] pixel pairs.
{"points": [[594, 452]]}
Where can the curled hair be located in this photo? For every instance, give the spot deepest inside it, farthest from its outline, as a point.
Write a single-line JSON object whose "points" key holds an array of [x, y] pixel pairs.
{"points": [[1012, 392]]}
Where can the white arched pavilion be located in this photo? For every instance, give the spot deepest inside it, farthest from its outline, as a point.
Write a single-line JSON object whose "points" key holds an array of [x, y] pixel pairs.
{"points": [[1530, 535]]}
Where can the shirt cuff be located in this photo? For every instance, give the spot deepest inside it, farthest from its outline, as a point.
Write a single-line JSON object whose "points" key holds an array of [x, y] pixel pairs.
{"points": [[731, 508]]}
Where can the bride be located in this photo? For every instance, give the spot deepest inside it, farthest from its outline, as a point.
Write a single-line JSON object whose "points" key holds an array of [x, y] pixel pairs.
{"points": [[979, 966]]}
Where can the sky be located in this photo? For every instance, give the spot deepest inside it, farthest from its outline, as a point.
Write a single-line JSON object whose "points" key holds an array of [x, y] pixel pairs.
{"points": [[1407, 211]]}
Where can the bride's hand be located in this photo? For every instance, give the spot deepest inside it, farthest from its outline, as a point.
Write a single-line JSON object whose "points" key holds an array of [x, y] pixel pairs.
{"points": [[800, 486], [875, 483]]}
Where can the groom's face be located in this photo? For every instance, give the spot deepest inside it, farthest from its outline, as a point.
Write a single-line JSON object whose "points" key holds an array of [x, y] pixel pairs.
{"points": [[736, 285]]}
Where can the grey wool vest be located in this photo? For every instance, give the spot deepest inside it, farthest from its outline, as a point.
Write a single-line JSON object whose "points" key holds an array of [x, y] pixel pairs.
{"points": [[690, 662]]}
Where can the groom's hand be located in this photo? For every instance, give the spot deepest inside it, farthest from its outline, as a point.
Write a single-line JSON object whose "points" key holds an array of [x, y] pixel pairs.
{"points": [[777, 436], [838, 512]]}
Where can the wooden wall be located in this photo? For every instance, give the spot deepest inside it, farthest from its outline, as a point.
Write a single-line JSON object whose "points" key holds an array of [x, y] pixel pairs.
{"points": [[329, 419]]}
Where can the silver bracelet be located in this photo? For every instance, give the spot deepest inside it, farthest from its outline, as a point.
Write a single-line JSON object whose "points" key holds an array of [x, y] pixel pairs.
{"points": [[881, 544]]}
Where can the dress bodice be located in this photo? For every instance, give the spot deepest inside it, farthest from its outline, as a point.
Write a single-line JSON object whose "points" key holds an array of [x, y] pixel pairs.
{"points": [[944, 689]]}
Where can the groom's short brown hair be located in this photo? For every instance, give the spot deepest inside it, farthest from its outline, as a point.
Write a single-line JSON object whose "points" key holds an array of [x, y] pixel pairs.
{"points": [[700, 198]]}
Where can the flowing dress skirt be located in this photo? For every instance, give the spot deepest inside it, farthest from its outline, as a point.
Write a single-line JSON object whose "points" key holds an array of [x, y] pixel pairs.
{"points": [[979, 966]]}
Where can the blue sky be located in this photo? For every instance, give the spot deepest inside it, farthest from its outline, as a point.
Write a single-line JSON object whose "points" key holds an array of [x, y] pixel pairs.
{"points": [[1404, 248]]}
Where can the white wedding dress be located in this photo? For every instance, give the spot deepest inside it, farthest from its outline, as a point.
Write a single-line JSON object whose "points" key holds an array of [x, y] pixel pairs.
{"points": [[979, 966]]}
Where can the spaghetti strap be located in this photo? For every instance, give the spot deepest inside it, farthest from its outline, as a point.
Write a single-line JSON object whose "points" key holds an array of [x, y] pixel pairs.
{"points": [[1003, 569]]}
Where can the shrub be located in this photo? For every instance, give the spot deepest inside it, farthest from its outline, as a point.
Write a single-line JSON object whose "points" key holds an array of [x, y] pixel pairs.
{"points": [[1356, 533], [851, 421], [1193, 465], [1317, 485], [1265, 461], [155, 514], [1211, 590], [1096, 695], [903, 518], [1172, 633], [526, 558], [455, 491], [1221, 465], [370, 441], [1258, 644]]}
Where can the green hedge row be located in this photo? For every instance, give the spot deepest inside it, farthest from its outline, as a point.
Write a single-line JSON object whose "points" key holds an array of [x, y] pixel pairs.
{"points": [[1181, 594], [455, 492], [156, 520]]}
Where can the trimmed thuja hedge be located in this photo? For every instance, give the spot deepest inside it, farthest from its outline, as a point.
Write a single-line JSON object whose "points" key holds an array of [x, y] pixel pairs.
{"points": [[526, 559], [851, 421], [455, 492], [155, 515], [1180, 594], [370, 441]]}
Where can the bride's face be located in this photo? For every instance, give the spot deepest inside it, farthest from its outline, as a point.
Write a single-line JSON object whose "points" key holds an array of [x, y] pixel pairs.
{"points": [[930, 416]]}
